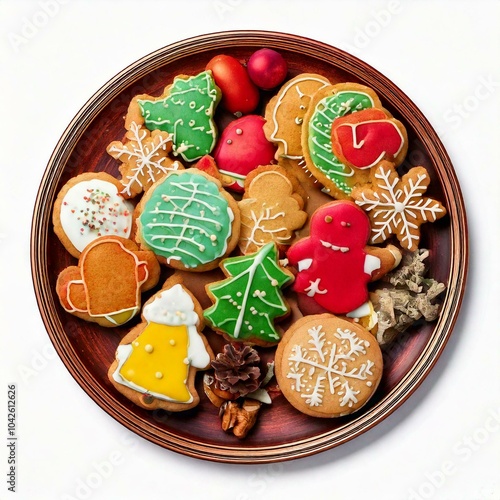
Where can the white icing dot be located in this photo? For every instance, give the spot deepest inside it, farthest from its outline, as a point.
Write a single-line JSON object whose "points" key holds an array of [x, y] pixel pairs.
{"points": [[136, 344], [213, 237], [229, 141], [239, 131], [159, 375], [186, 361], [369, 384], [274, 282], [148, 348], [399, 207], [172, 342]]}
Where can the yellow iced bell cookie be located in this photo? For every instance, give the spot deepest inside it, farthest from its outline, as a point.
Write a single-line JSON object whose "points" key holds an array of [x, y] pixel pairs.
{"points": [[157, 361]]}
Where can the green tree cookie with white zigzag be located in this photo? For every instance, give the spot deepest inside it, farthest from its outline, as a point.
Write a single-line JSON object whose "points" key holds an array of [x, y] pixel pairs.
{"points": [[250, 299]]}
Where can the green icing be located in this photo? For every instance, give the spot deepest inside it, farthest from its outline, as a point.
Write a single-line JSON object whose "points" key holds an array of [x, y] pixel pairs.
{"points": [[248, 301], [187, 114], [320, 130], [187, 219]]}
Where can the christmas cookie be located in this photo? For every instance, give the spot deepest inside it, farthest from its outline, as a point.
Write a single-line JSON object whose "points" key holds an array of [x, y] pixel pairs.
{"points": [[328, 367], [249, 300], [185, 110], [334, 265], [144, 157], [188, 221], [327, 105], [398, 206], [286, 110], [156, 362], [241, 148], [365, 138], [89, 206], [105, 287], [271, 209]]}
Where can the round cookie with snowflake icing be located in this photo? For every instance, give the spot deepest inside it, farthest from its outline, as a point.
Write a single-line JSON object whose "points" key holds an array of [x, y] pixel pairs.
{"points": [[188, 221], [328, 367]]}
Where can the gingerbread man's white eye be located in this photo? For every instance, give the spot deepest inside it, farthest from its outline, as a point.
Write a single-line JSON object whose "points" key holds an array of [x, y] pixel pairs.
{"points": [[345, 224]]}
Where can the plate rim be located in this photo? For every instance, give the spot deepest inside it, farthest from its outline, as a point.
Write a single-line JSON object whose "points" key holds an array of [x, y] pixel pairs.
{"points": [[459, 243]]}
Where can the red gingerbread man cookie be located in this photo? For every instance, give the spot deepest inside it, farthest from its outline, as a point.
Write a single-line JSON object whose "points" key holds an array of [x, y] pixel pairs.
{"points": [[334, 264]]}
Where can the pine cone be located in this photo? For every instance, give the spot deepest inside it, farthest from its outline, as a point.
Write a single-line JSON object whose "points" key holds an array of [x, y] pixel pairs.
{"points": [[237, 369]]}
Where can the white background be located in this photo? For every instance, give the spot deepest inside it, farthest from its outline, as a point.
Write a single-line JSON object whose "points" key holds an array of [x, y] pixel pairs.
{"points": [[443, 443]]}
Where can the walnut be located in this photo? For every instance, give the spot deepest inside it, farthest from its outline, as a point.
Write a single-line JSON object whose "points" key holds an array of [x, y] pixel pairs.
{"points": [[239, 417]]}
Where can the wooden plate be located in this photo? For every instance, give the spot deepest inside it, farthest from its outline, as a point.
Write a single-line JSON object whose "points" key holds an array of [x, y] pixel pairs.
{"points": [[282, 433]]}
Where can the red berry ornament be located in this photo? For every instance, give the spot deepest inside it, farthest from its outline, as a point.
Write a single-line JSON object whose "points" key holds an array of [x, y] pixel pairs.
{"points": [[267, 68]]}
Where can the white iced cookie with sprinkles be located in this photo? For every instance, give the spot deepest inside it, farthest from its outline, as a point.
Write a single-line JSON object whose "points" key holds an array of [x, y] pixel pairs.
{"points": [[188, 221], [89, 206], [328, 367], [156, 362]]}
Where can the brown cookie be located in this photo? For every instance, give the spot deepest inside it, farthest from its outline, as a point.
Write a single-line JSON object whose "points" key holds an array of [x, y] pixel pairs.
{"points": [[106, 285], [144, 158], [271, 208], [398, 206], [328, 367], [285, 113]]}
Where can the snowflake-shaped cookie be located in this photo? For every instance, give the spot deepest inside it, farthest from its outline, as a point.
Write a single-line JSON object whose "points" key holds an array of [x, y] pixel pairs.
{"points": [[397, 206], [144, 157]]}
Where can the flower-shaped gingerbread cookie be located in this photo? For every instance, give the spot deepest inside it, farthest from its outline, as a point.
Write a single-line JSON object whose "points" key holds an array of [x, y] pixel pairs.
{"points": [[397, 206]]}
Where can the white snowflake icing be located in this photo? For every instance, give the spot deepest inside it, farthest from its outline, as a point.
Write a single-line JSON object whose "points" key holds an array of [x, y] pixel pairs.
{"points": [[327, 366], [258, 224], [148, 159], [396, 204]]}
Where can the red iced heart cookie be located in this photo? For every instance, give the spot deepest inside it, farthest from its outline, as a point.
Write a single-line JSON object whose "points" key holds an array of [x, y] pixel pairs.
{"points": [[363, 139]]}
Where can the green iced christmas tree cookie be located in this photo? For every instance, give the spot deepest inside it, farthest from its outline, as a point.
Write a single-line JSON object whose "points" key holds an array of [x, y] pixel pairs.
{"points": [[248, 301], [187, 114]]}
